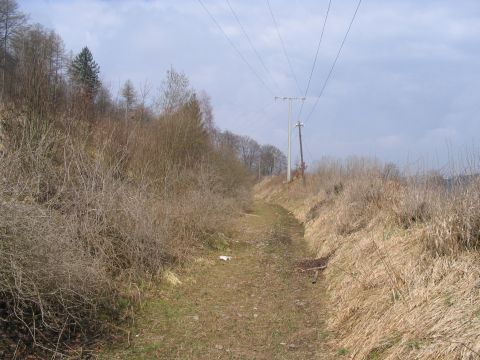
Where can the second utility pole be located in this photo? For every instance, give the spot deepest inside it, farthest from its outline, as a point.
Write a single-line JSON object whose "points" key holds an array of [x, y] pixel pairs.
{"points": [[302, 163], [289, 155]]}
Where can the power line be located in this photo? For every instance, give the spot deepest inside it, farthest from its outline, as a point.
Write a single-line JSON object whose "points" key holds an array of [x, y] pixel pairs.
{"points": [[308, 152], [335, 61], [232, 44], [316, 56], [259, 57], [283, 46], [248, 118]]}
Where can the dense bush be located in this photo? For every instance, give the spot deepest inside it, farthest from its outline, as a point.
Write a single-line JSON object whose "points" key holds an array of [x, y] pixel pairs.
{"points": [[85, 213]]}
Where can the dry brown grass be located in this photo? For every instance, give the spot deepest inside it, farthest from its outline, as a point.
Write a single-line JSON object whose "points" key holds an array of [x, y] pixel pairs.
{"points": [[403, 282], [456, 224]]}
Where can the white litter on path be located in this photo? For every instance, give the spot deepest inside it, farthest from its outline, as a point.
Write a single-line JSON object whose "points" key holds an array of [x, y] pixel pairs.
{"points": [[225, 258]]}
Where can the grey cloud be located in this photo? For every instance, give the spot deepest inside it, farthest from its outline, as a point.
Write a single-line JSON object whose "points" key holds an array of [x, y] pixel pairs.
{"points": [[406, 85]]}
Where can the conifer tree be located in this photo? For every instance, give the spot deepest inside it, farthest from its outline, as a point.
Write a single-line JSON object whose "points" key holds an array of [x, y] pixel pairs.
{"points": [[84, 72]]}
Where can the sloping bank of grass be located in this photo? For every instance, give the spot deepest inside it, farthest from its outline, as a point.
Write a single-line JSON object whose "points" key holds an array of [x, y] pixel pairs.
{"points": [[404, 279]]}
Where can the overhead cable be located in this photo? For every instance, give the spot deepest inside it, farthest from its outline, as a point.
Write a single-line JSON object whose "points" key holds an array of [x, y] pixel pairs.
{"points": [[334, 62], [232, 44]]}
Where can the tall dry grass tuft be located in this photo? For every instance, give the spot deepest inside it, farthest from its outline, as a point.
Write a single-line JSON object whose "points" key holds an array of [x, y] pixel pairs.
{"points": [[361, 200], [455, 226]]}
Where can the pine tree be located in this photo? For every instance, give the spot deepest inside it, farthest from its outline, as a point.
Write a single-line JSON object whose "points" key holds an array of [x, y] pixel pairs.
{"points": [[84, 72]]}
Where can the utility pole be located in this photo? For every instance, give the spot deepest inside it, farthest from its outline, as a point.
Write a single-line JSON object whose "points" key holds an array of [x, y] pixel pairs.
{"points": [[302, 163], [259, 166], [289, 155]]}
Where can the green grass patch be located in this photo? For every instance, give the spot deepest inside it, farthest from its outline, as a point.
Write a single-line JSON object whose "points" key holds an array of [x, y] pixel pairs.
{"points": [[414, 344]]}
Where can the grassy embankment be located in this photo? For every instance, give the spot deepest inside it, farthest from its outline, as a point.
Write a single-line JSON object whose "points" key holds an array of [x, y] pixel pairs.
{"points": [[404, 278]]}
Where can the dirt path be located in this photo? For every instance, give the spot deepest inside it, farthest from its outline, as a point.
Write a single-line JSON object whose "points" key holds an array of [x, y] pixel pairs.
{"points": [[255, 306]]}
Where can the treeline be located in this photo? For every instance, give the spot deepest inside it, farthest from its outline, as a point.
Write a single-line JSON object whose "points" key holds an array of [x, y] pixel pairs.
{"points": [[262, 160], [42, 79], [99, 195]]}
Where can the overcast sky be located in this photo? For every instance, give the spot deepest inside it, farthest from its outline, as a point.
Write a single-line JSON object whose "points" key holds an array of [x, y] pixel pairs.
{"points": [[405, 87]]}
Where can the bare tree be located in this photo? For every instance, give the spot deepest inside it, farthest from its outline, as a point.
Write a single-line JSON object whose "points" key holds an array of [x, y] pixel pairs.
{"points": [[104, 101], [249, 152], [38, 75], [175, 92], [11, 23], [207, 111], [129, 96], [262, 160], [230, 140], [280, 162], [144, 109], [57, 68]]}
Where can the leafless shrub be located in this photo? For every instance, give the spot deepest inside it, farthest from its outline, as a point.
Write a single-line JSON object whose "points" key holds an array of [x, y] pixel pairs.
{"points": [[84, 213], [51, 285]]}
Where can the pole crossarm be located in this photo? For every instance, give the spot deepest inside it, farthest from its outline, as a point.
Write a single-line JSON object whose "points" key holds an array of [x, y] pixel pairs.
{"points": [[290, 98]]}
